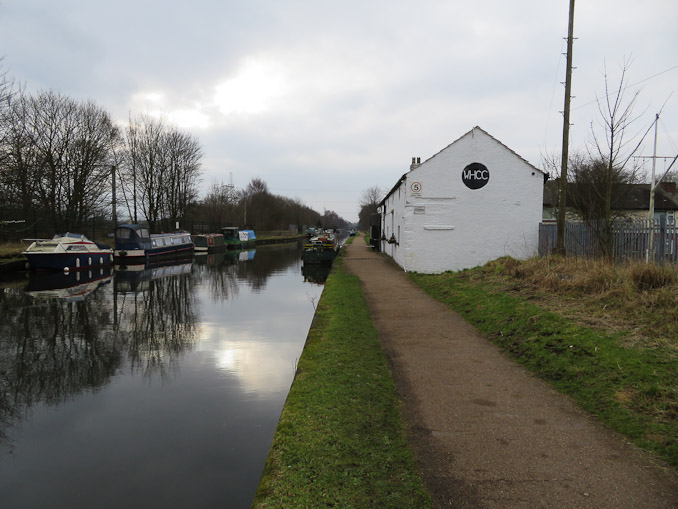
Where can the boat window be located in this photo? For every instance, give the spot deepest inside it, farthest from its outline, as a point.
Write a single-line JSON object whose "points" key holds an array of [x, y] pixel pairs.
{"points": [[154, 242], [122, 233], [144, 233], [76, 248]]}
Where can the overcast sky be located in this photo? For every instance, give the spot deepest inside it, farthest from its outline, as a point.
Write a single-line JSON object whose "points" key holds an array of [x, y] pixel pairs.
{"points": [[323, 99]]}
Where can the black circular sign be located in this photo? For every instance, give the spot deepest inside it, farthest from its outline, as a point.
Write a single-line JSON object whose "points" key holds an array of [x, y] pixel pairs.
{"points": [[475, 175]]}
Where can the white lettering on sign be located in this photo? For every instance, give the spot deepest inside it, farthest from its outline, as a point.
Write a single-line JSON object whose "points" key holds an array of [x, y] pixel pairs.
{"points": [[476, 174]]}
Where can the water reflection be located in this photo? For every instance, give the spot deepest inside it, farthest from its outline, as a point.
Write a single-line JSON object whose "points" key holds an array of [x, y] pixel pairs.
{"points": [[221, 333], [155, 314], [316, 272], [54, 346], [70, 286]]}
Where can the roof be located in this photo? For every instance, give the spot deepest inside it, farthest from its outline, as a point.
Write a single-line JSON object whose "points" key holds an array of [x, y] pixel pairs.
{"points": [[630, 196], [471, 132], [477, 128]]}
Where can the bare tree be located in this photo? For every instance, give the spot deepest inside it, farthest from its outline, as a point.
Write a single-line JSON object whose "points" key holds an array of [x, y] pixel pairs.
{"points": [[7, 90], [369, 200], [56, 155], [610, 167], [217, 207], [20, 157], [161, 171], [183, 154]]}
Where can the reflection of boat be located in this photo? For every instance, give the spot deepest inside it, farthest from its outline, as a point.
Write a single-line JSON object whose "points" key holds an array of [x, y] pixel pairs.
{"points": [[208, 241], [247, 256], [316, 272], [137, 278], [67, 251], [73, 286], [322, 248], [236, 238], [205, 258], [135, 244]]}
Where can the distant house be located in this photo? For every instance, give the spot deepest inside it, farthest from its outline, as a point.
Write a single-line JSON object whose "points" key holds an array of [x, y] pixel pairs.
{"points": [[472, 202], [630, 200]]}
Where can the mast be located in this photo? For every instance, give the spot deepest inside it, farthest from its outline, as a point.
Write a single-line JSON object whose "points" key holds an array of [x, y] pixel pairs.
{"points": [[562, 202], [113, 198]]}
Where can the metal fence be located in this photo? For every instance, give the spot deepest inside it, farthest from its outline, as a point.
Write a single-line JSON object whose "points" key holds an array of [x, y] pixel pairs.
{"points": [[16, 230], [630, 240]]}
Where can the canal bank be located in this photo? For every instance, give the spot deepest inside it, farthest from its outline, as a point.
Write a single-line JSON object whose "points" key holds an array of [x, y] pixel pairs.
{"points": [[340, 439]]}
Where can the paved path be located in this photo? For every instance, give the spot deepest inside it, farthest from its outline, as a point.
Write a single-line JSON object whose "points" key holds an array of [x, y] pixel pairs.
{"points": [[485, 432]]}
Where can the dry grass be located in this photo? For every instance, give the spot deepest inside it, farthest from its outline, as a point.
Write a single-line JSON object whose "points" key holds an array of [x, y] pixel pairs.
{"points": [[636, 297], [11, 249]]}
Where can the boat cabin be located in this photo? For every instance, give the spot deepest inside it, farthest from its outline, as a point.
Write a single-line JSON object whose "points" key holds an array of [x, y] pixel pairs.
{"points": [[132, 237]]}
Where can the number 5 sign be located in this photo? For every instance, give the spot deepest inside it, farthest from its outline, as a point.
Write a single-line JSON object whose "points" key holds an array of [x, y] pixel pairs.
{"points": [[415, 187]]}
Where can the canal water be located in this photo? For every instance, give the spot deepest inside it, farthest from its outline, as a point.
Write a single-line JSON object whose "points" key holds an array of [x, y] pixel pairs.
{"points": [[156, 387]]}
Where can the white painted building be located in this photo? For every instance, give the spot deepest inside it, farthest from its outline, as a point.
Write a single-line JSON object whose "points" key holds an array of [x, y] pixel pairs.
{"points": [[474, 201]]}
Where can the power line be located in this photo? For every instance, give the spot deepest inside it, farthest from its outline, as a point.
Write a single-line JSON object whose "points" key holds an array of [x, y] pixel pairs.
{"points": [[630, 85]]}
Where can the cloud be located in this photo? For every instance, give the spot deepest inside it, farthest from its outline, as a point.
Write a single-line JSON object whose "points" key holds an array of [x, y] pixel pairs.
{"points": [[343, 94]]}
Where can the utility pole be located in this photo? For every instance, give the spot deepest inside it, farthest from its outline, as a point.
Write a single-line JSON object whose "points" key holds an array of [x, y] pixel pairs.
{"points": [[649, 252], [562, 202]]}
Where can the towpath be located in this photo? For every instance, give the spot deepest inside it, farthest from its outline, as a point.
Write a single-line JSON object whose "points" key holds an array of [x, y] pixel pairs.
{"points": [[485, 432]]}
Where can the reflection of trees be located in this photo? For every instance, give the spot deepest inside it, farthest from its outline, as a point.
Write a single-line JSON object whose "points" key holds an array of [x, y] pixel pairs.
{"points": [[270, 260], [220, 271], [316, 272], [227, 270], [157, 324], [52, 349]]}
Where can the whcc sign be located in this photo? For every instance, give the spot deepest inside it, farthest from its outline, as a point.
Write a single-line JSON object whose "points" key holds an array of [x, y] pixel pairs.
{"points": [[475, 175]]}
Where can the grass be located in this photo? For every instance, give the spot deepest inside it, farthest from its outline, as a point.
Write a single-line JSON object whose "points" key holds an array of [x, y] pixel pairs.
{"points": [[340, 440], [11, 249], [606, 335]]}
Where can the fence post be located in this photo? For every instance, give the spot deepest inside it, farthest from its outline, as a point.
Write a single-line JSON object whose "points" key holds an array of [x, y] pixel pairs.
{"points": [[661, 239]]}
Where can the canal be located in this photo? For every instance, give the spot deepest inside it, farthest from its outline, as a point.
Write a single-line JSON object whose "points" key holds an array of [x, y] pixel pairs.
{"points": [[159, 387]]}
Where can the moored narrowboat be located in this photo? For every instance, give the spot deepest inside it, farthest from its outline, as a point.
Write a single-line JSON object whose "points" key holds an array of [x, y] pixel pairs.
{"points": [[320, 249], [208, 242], [136, 244], [237, 238]]}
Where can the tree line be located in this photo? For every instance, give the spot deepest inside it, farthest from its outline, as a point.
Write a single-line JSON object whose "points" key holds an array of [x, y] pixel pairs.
{"points": [[257, 206], [61, 160]]}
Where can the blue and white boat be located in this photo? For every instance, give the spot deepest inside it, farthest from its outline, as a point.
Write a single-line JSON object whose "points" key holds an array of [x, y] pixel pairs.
{"points": [[136, 244], [66, 251]]}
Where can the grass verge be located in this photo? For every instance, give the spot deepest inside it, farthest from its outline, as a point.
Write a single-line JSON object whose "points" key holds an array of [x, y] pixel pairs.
{"points": [[586, 339], [340, 440]]}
